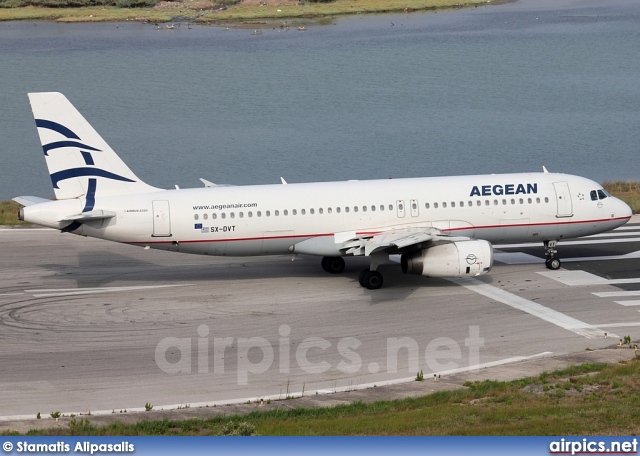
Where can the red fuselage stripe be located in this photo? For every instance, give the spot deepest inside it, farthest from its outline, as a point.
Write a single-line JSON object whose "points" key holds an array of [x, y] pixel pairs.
{"points": [[363, 233]]}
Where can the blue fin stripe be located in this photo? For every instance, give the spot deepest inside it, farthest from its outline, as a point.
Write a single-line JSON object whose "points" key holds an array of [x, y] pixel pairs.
{"points": [[81, 172], [88, 159], [91, 196], [71, 227], [60, 144], [50, 125]]}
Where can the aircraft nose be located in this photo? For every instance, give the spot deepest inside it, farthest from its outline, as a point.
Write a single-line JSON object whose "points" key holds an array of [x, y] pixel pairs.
{"points": [[625, 209]]}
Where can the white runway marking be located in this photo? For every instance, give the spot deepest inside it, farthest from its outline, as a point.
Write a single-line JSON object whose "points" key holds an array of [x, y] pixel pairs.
{"points": [[617, 294], [537, 310], [619, 325], [11, 294], [628, 303], [583, 278], [84, 291], [525, 258], [516, 258], [561, 243]]}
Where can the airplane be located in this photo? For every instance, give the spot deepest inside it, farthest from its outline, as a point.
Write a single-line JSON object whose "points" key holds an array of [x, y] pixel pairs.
{"points": [[440, 226]]}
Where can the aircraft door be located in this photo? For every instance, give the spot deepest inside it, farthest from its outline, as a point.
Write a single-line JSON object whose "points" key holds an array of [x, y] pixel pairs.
{"points": [[400, 205], [161, 219], [563, 198], [415, 211]]}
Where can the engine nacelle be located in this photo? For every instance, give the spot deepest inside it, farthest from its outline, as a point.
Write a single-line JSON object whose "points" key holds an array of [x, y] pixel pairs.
{"points": [[454, 259]]}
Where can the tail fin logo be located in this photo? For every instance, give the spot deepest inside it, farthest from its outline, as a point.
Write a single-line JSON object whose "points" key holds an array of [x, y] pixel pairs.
{"points": [[73, 140]]}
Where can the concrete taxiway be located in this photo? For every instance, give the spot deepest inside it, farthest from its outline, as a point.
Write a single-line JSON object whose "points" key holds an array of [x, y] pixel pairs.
{"points": [[88, 325]]}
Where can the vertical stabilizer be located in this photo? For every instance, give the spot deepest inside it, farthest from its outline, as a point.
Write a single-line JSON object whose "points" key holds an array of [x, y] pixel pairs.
{"points": [[80, 162]]}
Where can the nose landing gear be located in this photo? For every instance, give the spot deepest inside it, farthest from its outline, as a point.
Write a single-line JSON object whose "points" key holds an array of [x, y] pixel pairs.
{"points": [[551, 262]]}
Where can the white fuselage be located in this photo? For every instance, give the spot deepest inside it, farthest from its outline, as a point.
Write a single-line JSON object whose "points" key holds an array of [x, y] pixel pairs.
{"points": [[316, 218]]}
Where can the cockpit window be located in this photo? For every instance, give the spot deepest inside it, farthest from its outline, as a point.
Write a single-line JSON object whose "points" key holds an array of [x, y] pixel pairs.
{"points": [[598, 194]]}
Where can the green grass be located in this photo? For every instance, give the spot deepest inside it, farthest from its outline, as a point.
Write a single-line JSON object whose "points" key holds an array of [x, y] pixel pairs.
{"points": [[9, 213], [234, 13], [583, 400]]}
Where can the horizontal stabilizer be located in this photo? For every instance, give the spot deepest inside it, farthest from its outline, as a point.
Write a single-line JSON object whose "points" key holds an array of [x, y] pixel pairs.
{"points": [[30, 200], [91, 215]]}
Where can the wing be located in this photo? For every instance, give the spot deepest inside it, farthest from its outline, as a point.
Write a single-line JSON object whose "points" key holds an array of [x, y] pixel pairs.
{"points": [[397, 241]]}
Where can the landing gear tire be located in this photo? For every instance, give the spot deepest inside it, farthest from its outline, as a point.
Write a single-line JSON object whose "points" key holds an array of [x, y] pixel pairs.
{"points": [[361, 276], [553, 264], [333, 265], [371, 280]]}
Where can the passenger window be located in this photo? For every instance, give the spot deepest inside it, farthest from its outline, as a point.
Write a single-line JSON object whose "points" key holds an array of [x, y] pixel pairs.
{"points": [[320, 211], [355, 208], [232, 215], [538, 200], [241, 214], [346, 209], [513, 201], [546, 199], [268, 213], [364, 208], [602, 194], [414, 206], [521, 201], [259, 214], [205, 216], [373, 208], [495, 202], [250, 214], [338, 210], [453, 204], [382, 207], [594, 195], [303, 211], [426, 205], [390, 207], [223, 215], [285, 212], [196, 216], [329, 210], [401, 207], [461, 203], [435, 205], [276, 213], [444, 204], [478, 203], [294, 212], [312, 211], [529, 200], [504, 202], [486, 202], [214, 216]]}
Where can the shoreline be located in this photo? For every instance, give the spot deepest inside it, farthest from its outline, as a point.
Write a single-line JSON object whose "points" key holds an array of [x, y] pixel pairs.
{"points": [[208, 13]]}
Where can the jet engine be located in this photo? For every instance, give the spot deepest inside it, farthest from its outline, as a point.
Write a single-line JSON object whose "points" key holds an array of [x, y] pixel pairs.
{"points": [[453, 259]]}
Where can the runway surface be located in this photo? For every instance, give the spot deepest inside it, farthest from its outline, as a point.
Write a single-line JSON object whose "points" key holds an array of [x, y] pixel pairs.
{"points": [[88, 325]]}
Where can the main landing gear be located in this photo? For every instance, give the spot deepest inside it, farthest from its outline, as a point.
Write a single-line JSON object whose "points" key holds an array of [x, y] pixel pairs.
{"points": [[333, 265], [369, 278], [551, 262]]}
